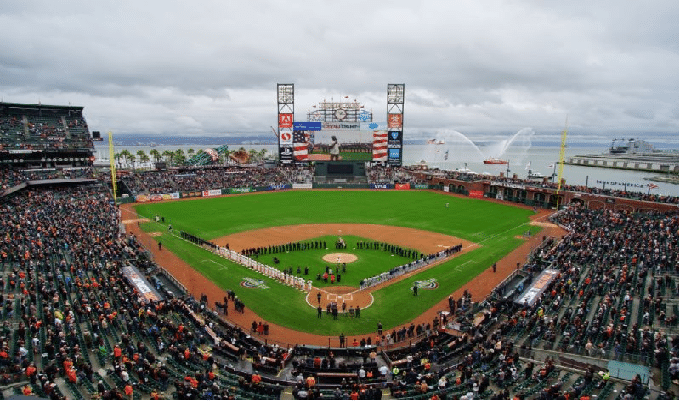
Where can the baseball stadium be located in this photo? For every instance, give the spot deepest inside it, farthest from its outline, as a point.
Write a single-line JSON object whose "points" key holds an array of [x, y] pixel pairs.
{"points": [[335, 272]]}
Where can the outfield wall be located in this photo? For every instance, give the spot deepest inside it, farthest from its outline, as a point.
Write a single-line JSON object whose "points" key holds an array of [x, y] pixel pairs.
{"points": [[520, 193], [144, 198]]}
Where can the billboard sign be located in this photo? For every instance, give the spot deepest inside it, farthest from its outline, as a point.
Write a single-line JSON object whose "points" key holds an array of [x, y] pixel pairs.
{"points": [[285, 120], [286, 137], [307, 126], [373, 126], [340, 126], [395, 120]]}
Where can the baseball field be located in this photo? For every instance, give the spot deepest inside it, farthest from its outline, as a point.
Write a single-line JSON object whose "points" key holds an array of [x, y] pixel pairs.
{"points": [[415, 220]]}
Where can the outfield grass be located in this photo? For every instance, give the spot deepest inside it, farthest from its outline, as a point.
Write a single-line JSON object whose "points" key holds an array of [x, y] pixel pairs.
{"points": [[494, 226]]}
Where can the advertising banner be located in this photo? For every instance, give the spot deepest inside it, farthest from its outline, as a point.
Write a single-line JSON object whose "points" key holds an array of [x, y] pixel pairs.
{"points": [[373, 126], [286, 137], [285, 120], [277, 187], [380, 186], [212, 192], [307, 126], [156, 197], [341, 126], [420, 186], [239, 190], [402, 186], [395, 120], [285, 154], [192, 194], [476, 194], [302, 186], [395, 135]]}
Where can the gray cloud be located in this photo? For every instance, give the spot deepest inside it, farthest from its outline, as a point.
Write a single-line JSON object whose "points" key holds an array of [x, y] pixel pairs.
{"points": [[212, 67]]}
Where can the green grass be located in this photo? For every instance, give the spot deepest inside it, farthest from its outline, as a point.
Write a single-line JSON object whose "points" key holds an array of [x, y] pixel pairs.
{"points": [[370, 262], [346, 156], [492, 225]]}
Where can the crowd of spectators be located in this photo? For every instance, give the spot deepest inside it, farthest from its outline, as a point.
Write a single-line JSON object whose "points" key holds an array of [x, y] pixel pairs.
{"points": [[199, 179], [546, 183], [70, 315], [34, 130], [378, 174]]}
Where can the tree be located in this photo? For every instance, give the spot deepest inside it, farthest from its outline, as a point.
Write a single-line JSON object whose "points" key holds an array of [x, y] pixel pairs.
{"points": [[252, 153], [117, 157], [190, 152], [156, 155], [131, 158], [143, 157], [179, 156], [126, 155], [169, 156]]}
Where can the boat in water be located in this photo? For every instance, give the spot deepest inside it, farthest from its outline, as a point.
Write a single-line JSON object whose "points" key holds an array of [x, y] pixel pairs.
{"points": [[534, 175], [436, 142], [493, 160]]}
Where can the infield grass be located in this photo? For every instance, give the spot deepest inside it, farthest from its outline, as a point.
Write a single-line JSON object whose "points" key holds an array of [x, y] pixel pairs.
{"points": [[491, 225]]}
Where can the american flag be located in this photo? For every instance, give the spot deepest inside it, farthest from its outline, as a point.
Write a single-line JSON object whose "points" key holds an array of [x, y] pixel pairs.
{"points": [[379, 145], [300, 145]]}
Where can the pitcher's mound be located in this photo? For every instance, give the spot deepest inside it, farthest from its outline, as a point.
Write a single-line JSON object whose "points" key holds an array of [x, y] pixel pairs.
{"points": [[340, 258]]}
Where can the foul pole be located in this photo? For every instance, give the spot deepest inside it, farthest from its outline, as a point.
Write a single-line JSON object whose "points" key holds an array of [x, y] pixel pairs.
{"points": [[562, 155], [111, 158]]}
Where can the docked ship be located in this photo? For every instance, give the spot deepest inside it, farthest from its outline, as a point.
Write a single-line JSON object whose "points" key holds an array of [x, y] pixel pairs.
{"points": [[631, 154], [631, 147], [493, 160]]}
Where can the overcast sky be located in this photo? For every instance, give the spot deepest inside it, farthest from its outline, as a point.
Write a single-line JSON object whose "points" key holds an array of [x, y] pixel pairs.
{"points": [[211, 68]]}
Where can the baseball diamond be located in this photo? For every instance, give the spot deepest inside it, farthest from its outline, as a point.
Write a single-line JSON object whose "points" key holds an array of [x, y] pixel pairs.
{"points": [[475, 227]]}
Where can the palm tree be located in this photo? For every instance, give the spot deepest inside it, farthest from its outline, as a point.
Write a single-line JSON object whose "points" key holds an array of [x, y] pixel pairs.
{"points": [[190, 152], [179, 156], [156, 155], [169, 156], [143, 157], [126, 155], [252, 153], [131, 159], [117, 157]]}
